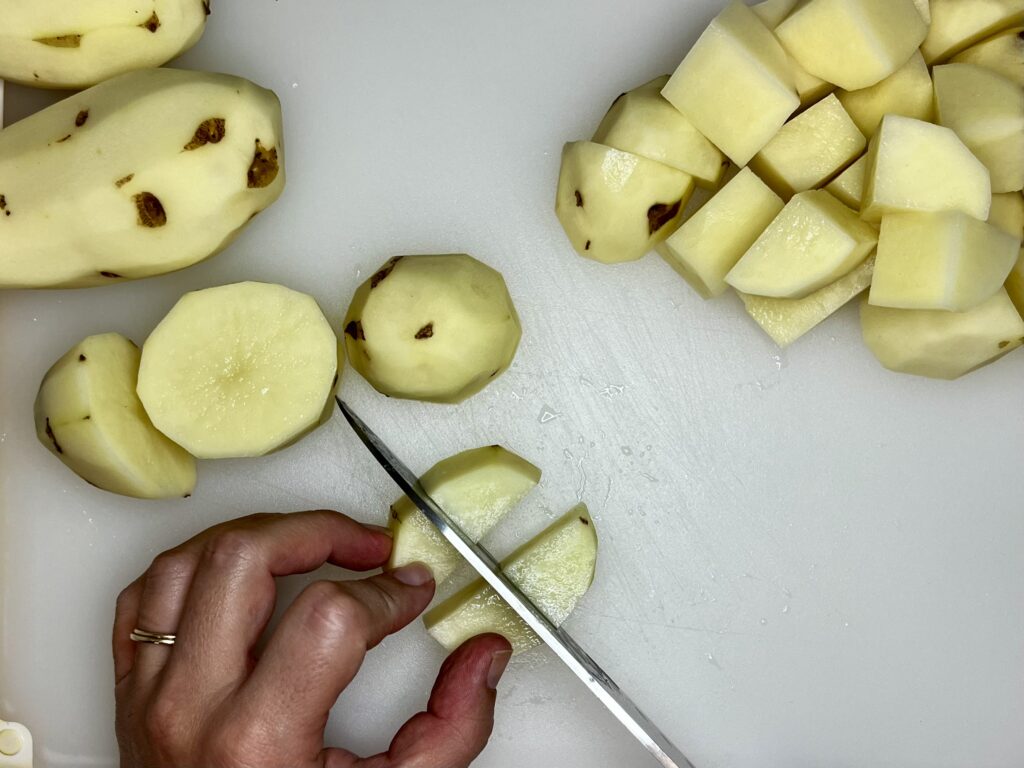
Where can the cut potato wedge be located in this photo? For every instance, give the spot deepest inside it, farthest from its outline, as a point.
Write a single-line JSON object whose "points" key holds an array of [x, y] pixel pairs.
{"points": [[435, 328], [1007, 213], [939, 344], [476, 489], [813, 242], [240, 370], [1002, 53], [848, 186], [553, 569], [88, 415], [907, 92], [958, 24]]}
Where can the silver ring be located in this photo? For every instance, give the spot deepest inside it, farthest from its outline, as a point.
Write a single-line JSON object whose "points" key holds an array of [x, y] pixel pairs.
{"points": [[153, 638]]}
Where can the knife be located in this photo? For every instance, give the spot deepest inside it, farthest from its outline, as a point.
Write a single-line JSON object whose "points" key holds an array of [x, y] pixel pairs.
{"points": [[556, 638]]}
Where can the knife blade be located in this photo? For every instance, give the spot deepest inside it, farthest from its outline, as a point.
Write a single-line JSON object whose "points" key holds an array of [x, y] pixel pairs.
{"points": [[556, 638]]}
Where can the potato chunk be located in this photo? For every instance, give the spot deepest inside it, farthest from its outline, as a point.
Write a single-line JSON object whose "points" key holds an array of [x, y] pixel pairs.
{"points": [[1002, 53], [848, 187], [958, 24], [907, 92]]}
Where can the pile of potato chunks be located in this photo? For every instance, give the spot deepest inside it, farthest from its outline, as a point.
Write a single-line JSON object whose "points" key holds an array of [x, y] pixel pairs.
{"points": [[849, 146]]}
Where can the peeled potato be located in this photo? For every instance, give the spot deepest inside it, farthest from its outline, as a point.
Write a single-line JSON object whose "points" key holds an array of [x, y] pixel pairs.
{"points": [[436, 328], [88, 415]]}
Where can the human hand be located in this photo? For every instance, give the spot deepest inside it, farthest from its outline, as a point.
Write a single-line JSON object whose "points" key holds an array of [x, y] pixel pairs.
{"points": [[208, 701]]}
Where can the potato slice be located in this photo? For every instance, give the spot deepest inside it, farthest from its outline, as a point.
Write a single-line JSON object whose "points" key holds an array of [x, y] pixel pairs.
{"points": [[917, 166], [436, 328], [144, 174], [809, 88], [554, 570], [57, 44], [711, 241], [848, 186], [88, 415], [940, 344], [945, 260], [907, 92], [616, 206], [852, 43], [987, 112], [958, 24], [735, 84], [476, 489], [813, 242], [1007, 213], [240, 370], [810, 149], [642, 122], [1002, 53], [786, 320]]}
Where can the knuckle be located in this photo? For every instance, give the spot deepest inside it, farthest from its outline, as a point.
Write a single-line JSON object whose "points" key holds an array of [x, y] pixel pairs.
{"points": [[235, 745], [231, 546], [164, 725], [170, 568], [331, 610]]}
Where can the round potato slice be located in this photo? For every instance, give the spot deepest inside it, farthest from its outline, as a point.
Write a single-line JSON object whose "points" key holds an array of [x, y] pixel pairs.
{"points": [[239, 370], [436, 328]]}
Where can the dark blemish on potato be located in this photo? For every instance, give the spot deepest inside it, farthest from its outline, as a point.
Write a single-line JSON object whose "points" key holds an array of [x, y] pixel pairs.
{"points": [[252, 216], [425, 332], [210, 131], [35, 75], [383, 272], [110, 274], [124, 180], [87, 417], [152, 23], [584, 521], [494, 372], [263, 169], [660, 214], [355, 330], [206, 7], [60, 41], [1004, 344], [334, 382], [394, 514], [187, 496], [81, 358], [81, 117], [579, 199], [61, 141], [586, 246], [53, 439], [3, 205], [151, 210]]}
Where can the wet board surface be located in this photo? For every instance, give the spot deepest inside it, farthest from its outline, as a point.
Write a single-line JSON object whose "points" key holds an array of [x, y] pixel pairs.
{"points": [[805, 560]]}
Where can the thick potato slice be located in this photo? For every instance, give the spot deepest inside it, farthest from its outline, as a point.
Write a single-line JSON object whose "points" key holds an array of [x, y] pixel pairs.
{"points": [[907, 92], [735, 85], [616, 206], [848, 186], [436, 328], [916, 166], [88, 415], [1002, 53], [710, 242], [144, 174], [958, 24], [940, 344], [813, 242], [1007, 213], [239, 370], [642, 122], [946, 260], [987, 111], [852, 43], [476, 489], [60, 44], [554, 570]]}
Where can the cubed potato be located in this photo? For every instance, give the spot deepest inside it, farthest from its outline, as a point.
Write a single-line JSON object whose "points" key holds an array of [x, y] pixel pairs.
{"points": [[786, 320], [958, 24], [940, 344], [907, 92], [813, 242], [852, 43], [848, 186], [616, 206], [710, 242], [946, 260], [1007, 213], [809, 88], [1002, 53], [735, 84], [642, 122], [987, 112], [810, 149], [916, 166]]}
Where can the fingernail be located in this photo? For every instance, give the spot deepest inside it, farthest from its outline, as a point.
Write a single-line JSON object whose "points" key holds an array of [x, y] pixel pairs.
{"points": [[379, 529], [498, 663], [413, 574]]}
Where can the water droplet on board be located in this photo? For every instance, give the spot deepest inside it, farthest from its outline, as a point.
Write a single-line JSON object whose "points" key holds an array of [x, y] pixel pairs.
{"points": [[785, 609], [764, 622], [626, 450]]}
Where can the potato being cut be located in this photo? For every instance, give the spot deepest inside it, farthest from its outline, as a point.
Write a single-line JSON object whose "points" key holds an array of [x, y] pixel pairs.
{"points": [[1002, 53], [852, 43], [810, 149], [848, 186], [553, 569], [73, 45], [813, 242], [436, 328], [958, 24], [987, 112], [476, 489], [143, 174], [239, 370], [642, 122], [945, 260], [711, 241], [616, 206], [1007, 213], [917, 166], [735, 84], [88, 415], [940, 344], [786, 320], [907, 92]]}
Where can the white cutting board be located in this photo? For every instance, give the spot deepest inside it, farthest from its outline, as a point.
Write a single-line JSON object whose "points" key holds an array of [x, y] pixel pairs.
{"points": [[806, 560]]}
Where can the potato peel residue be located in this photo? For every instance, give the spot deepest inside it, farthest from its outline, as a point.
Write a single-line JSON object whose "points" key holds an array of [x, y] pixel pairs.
{"points": [[264, 167], [151, 210], [210, 131]]}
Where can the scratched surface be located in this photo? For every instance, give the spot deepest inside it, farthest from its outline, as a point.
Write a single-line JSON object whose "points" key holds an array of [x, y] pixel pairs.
{"points": [[805, 560]]}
